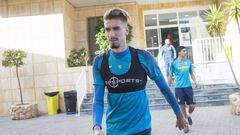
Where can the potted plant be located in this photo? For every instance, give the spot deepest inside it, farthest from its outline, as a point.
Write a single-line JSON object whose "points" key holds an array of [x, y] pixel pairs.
{"points": [[14, 58], [77, 57]]}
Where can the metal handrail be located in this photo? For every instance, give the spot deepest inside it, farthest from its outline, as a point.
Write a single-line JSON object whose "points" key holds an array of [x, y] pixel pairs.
{"points": [[81, 87]]}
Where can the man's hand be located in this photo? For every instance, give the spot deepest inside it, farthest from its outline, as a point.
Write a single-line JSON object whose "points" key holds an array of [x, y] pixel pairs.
{"points": [[170, 80], [97, 131], [181, 123], [197, 86]]}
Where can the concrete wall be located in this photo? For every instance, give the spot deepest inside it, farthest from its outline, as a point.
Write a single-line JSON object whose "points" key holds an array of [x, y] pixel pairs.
{"points": [[69, 16], [82, 14], [45, 30]]}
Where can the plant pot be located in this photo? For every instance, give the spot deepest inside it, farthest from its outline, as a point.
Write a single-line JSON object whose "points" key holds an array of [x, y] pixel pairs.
{"points": [[235, 103], [23, 111]]}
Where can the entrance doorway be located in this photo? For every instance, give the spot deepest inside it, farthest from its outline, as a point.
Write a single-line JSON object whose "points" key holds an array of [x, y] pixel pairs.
{"points": [[173, 32]]}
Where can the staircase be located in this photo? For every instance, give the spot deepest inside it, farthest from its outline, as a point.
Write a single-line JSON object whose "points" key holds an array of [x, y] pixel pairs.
{"points": [[207, 95]]}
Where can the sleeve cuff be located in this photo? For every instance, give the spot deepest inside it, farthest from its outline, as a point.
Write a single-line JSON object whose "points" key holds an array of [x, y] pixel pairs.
{"points": [[98, 126]]}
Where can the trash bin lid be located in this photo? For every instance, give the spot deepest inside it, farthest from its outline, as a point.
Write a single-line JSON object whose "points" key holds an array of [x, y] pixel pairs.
{"points": [[72, 93], [51, 93]]}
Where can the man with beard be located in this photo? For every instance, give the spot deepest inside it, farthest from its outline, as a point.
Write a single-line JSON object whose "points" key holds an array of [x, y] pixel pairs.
{"points": [[124, 70]]}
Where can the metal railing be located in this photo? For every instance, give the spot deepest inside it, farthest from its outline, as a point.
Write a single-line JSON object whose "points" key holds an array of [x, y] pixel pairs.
{"points": [[81, 87], [210, 59], [208, 50]]}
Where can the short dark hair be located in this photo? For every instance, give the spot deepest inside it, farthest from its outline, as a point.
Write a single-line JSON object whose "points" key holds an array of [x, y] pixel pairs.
{"points": [[179, 48], [116, 13]]}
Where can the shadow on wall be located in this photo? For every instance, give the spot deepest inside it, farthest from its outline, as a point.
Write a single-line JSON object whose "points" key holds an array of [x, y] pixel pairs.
{"points": [[45, 30], [46, 26], [39, 74]]}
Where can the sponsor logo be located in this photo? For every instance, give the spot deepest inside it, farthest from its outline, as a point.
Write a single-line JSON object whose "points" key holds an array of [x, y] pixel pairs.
{"points": [[183, 68], [114, 81]]}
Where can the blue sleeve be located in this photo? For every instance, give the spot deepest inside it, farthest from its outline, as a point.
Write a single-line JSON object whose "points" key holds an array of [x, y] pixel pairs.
{"points": [[97, 79], [98, 104], [190, 68], [174, 52], [162, 85], [149, 64], [98, 97], [161, 52], [172, 68]]}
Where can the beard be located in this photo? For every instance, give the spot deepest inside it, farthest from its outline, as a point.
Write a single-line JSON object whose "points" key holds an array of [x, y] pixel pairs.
{"points": [[114, 46]]}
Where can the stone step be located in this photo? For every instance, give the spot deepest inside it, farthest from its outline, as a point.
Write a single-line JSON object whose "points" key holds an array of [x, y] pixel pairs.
{"points": [[207, 95], [157, 93], [162, 100], [218, 102], [208, 86], [156, 90], [214, 102]]}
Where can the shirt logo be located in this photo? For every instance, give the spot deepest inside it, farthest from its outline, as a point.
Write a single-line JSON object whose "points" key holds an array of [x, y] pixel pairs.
{"points": [[183, 68], [114, 81]]}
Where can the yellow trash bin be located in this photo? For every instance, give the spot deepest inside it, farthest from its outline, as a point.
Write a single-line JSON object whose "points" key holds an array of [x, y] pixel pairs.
{"points": [[52, 101]]}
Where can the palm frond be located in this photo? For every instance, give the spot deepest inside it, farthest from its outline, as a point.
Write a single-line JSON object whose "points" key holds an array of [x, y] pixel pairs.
{"points": [[215, 17], [233, 8]]}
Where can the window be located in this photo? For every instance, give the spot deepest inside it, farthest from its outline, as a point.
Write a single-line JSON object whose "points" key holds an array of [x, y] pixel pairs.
{"points": [[183, 25], [189, 53], [152, 38], [93, 23], [188, 17], [150, 20], [186, 35], [167, 18]]}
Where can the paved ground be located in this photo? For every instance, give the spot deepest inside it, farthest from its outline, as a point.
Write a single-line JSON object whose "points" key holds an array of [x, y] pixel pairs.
{"points": [[207, 121]]}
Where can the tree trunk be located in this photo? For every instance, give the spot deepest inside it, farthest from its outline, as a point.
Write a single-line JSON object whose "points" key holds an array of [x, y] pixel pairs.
{"points": [[229, 62], [237, 20], [19, 85]]}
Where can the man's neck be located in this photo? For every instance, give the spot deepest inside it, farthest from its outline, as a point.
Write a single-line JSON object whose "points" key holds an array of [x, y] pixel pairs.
{"points": [[120, 49], [181, 58]]}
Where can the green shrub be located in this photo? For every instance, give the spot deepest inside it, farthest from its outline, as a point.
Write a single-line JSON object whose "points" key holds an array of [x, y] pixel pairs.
{"points": [[77, 57]]}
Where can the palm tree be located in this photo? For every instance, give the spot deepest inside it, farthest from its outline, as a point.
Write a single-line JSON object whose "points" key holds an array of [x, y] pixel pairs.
{"points": [[233, 9], [216, 27]]}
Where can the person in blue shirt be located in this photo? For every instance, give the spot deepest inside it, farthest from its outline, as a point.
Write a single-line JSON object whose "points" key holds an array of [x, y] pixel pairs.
{"points": [[167, 54], [124, 70], [180, 69]]}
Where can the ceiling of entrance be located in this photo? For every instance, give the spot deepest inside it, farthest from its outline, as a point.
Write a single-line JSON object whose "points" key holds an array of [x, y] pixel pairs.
{"points": [[82, 3]]}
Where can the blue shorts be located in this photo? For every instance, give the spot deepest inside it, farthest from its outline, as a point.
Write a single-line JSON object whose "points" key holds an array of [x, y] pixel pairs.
{"points": [[184, 95], [145, 132]]}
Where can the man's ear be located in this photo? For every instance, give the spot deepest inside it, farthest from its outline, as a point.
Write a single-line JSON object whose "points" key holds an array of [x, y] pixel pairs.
{"points": [[127, 30]]}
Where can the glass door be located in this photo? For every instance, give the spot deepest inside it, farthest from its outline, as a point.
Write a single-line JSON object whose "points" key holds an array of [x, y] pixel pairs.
{"points": [[172, 32], [183, 25]]}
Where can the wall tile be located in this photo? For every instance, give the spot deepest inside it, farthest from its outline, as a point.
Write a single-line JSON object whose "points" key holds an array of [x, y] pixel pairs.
{"points": [[18, 10], [4, 109], [45, 81], [5, 84], [45, 68], [5, 72]]}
